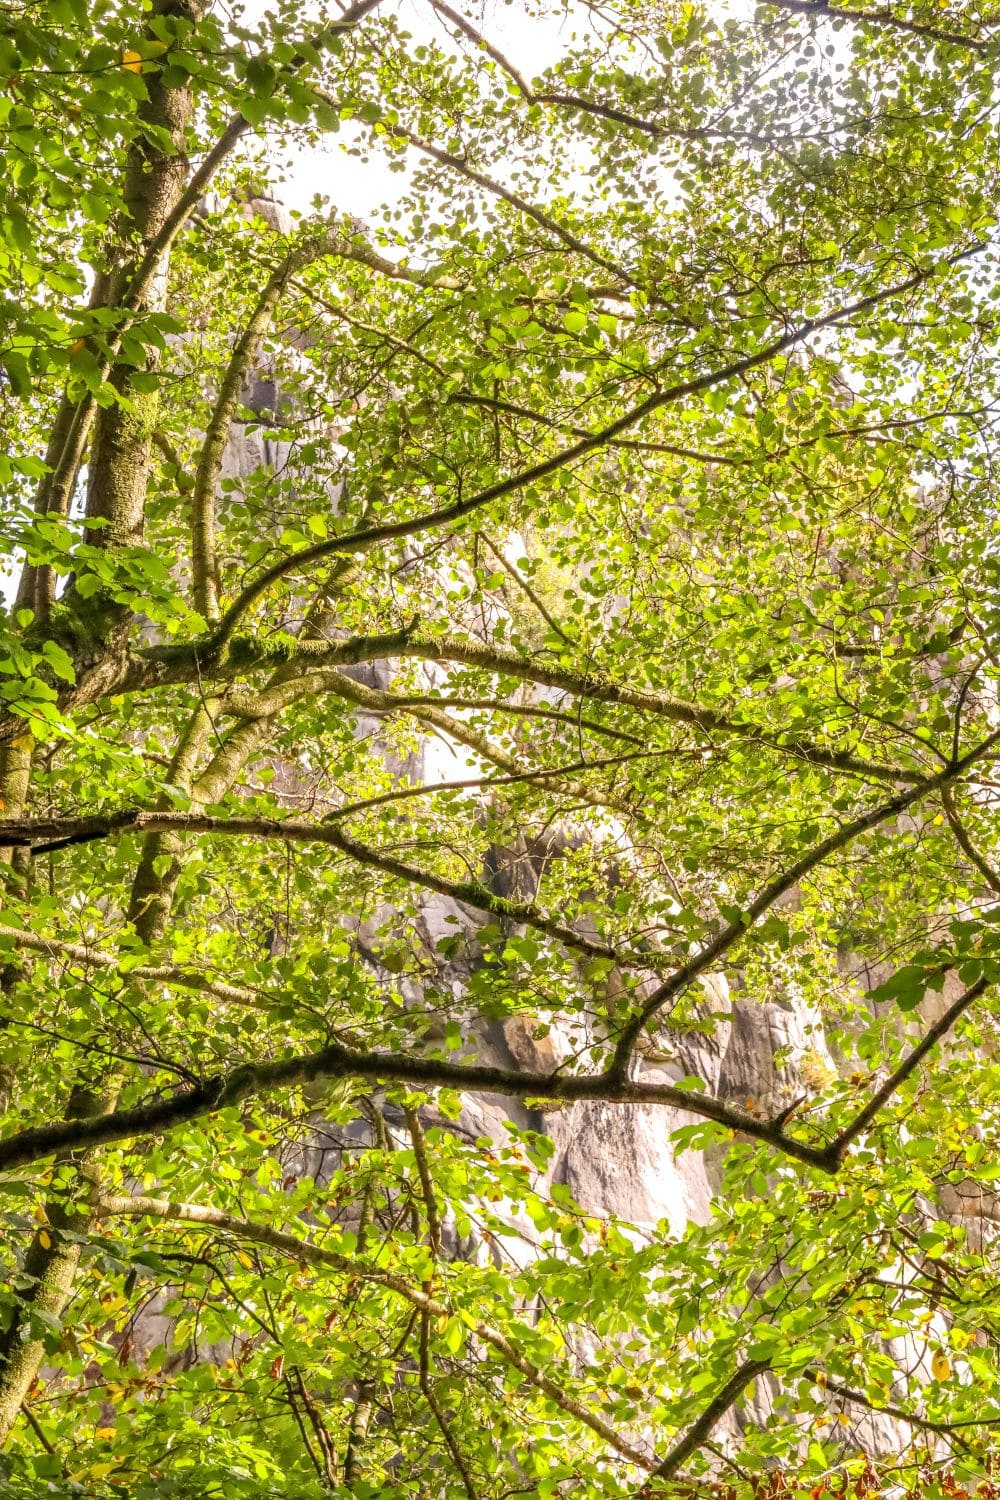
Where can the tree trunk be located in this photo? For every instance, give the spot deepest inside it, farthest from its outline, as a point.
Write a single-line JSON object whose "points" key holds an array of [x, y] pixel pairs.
{"points": [[119, 470]]}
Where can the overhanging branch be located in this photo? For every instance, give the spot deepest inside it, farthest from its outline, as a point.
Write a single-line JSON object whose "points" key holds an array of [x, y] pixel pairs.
{"points": [[254, 1080], [160, 665]]}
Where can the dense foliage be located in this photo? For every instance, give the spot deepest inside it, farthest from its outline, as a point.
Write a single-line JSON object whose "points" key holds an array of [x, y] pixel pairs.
{"points": [[562, 608]]}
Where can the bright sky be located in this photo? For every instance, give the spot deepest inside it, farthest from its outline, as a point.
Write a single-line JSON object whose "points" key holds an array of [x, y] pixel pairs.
{"points": [[361, 188]]}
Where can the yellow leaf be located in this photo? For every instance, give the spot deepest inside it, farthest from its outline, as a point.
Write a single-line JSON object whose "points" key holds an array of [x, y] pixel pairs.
{"points": [[132, 61], [105, 1432], [940, 1365], [45, 1239], [244, 1260]]}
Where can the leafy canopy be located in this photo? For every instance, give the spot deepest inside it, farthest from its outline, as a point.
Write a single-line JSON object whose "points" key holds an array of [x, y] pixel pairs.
{"points": [[466, 676]]}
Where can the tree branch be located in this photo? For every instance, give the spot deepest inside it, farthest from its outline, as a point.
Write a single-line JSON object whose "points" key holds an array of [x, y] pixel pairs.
{"points": [[185, 978], [338, 1062], [395, 702], [909, 1065], [468, 892], [204, 498], [968, 848], [634, 445], [732, 932], [160, 665], [700, 1429], [925, 1424], [358, 1267], [884, 17]]}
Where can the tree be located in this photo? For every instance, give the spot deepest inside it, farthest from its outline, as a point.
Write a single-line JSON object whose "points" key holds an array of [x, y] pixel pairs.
{"points": [[642, 457]]}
